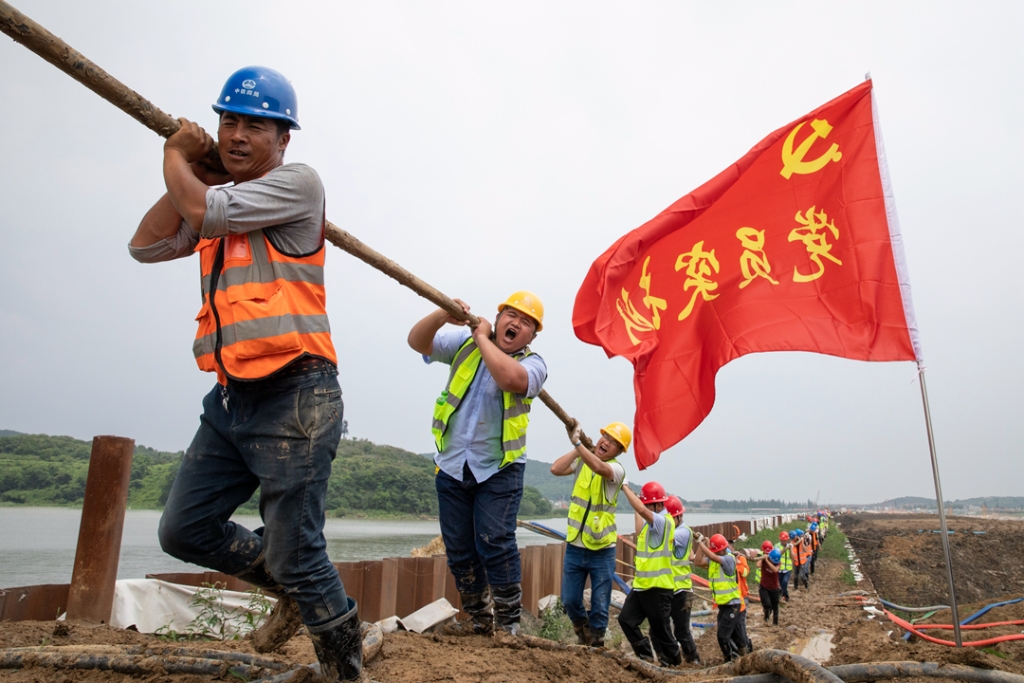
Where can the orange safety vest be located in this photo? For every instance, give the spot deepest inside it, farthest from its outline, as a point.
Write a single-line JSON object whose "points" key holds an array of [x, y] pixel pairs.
{"points": [[268, 308], [798, 554], [742, 571]]}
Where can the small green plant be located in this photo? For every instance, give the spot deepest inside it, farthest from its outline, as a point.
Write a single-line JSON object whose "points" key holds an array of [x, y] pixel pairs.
{"points": [[554, 624], [214, 621], [994, 651]]}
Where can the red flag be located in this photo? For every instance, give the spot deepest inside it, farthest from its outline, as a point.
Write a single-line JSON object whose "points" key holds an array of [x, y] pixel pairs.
{"points": [[795, 247]]}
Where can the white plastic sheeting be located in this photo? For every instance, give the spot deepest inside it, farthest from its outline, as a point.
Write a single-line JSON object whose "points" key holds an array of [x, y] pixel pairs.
{"points": [[151, 605]]}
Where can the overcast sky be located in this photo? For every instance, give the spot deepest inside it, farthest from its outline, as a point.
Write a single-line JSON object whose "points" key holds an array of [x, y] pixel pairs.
{"points": [[492, 147]]}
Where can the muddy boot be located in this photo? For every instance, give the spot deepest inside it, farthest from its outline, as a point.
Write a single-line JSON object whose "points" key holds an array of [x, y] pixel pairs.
{"points": [[508, 607], [582, 629], [284, 621], [689, 650], [480, 621], [644, 650], [597, 637], [339, 647]]}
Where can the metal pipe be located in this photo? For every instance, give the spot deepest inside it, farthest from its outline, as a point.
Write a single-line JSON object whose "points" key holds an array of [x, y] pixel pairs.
{"points": [[91, 596], [942, 510]]}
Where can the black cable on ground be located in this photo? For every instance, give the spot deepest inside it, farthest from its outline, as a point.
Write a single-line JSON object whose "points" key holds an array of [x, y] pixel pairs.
{"points": [[133, 665]]}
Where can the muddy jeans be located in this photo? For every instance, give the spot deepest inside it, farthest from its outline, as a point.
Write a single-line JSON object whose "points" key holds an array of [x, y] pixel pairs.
{"points": [[279, 434], [599, 565], [478, 525]]}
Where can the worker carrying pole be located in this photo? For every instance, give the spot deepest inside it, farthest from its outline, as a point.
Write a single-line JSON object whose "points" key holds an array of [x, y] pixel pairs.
{"points": [[592, 534], [479, 427], [273, 420]]}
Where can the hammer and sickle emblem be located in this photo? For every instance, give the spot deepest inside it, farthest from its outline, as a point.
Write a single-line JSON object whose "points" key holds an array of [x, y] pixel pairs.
{"points": [[793, 161]]}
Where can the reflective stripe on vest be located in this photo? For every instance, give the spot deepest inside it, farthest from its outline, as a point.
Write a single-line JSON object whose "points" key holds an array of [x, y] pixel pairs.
{"points": [[786, 563], [681, 567], [724, 588], [515, 410], [590, 513], [654, 565], [268, 308]]}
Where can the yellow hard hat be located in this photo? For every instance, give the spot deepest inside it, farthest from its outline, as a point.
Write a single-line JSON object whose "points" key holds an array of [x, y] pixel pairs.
{"points": [[619, 433], [528, 303]]}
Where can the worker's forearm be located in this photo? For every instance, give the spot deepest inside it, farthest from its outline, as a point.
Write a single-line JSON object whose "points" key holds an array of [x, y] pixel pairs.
{"points": [[599, 466], [564, 465], [421, 336], [159, 223], [637, 505], [508, 373], [187, 193]]}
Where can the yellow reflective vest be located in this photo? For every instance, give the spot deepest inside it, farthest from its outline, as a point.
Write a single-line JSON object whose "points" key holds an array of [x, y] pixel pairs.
{"points": [[682, 567], [786, 563], [654, 565], [591, 514], [724, 588], [516, 414]]}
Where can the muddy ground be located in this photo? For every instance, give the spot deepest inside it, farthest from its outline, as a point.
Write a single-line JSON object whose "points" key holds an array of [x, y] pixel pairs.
{"points": [[903, 556], [857, 637]]}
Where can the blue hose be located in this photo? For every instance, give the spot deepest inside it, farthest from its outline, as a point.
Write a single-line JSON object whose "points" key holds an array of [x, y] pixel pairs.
{"points": [[986, 608]]}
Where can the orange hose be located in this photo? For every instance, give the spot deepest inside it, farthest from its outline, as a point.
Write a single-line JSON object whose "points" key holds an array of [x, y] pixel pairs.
{"points": [[906, 626], [964, 627]]}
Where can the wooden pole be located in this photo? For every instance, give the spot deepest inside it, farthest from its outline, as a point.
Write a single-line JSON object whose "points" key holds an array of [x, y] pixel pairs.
{"points": [[91, 596], [55, 51]]}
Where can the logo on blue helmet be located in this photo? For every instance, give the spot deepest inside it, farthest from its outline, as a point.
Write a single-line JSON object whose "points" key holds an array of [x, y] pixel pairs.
{"points": [[259, 91]]}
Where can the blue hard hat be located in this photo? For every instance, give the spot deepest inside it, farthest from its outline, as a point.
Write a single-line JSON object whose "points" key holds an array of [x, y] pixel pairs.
{"points": [[259, 91], [797, 532], [775, 556], [814, 527]]}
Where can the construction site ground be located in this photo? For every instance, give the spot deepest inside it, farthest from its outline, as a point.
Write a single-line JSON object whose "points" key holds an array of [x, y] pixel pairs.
{"points": [[903, 563]]}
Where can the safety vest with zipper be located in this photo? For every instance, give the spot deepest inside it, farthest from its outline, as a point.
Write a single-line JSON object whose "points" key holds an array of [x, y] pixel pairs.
{"points": [[724, 588], [516, 409], [682, 567], [262, 309], [654, 565], [591, 514]]}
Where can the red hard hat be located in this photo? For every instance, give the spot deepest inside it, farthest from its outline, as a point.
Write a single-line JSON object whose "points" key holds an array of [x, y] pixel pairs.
{"points": [[784, 536], [717, 543], [652, 492], [767, 547], [674, 506]]}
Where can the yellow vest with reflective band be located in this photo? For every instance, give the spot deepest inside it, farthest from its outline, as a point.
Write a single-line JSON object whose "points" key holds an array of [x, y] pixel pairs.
{"points": [[591, 514], [654, 565], [516, 415], [786, 563], [724, 588], [681, 567]]}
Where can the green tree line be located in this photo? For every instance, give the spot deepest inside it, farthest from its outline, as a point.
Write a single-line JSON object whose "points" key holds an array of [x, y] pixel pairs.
{"points": [[367, 478]]}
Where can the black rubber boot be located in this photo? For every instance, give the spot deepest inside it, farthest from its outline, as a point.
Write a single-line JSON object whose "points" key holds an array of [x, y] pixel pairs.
{"points": [[339, 647], [508, 607], [481, 619], [582, 629], [644, 650], [597, 637], [689, 650], [284, 621]]}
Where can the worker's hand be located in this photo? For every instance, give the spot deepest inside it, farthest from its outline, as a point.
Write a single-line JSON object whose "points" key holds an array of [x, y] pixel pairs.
{"points": [[452, 320], [482, 331], [210, 176], [191, 141], [573, 430]]}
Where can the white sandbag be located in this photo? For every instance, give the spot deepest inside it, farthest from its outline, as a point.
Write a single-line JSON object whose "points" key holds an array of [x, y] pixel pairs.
{"points": [[152, 605], [428, 616]]}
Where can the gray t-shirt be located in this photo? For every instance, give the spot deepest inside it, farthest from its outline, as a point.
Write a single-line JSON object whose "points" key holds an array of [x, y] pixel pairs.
{"points": [[287, 203]]}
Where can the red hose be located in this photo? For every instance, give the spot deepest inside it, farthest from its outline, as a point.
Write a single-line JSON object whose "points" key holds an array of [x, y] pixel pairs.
{"points": [[964, 627], [906, 626]]}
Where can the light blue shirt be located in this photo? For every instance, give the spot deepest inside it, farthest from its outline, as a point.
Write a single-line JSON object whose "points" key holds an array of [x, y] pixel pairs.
{"points": [[474, 430]]}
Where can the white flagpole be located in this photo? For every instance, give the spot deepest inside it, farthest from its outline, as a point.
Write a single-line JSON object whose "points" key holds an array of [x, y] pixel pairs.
{"points": [[942, 510]]}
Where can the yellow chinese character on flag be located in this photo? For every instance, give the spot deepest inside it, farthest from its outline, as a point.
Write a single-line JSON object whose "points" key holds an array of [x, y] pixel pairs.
{"points": [[633, 318], [753, 262], [699, 265], [814, 235]]}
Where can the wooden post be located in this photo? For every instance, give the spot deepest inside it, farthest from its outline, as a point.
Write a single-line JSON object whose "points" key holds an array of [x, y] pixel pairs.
{"points": [[99, 535]]}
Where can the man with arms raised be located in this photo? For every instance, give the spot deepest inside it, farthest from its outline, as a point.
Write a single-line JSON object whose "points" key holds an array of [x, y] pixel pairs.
{"points": [[274, 418]]}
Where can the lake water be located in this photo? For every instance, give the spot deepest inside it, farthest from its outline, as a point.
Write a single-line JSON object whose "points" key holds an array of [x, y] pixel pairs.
{"points": [[37, 545]]}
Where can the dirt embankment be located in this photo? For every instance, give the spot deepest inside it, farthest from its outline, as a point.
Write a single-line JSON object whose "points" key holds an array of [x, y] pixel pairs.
{"points": [[903, 556], [811, 615]]}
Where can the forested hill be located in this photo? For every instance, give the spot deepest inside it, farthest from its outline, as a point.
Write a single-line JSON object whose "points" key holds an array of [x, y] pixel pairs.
{"points": [[36, 469]]}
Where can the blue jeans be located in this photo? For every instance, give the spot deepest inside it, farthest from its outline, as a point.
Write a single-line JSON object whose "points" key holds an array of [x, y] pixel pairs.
{"points": [[279, 434], [784, 583], [478, 524], [599, 565]]}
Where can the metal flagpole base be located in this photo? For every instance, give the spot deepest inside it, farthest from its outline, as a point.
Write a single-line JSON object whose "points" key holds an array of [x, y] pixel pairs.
{"points": [[942, 508]]}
